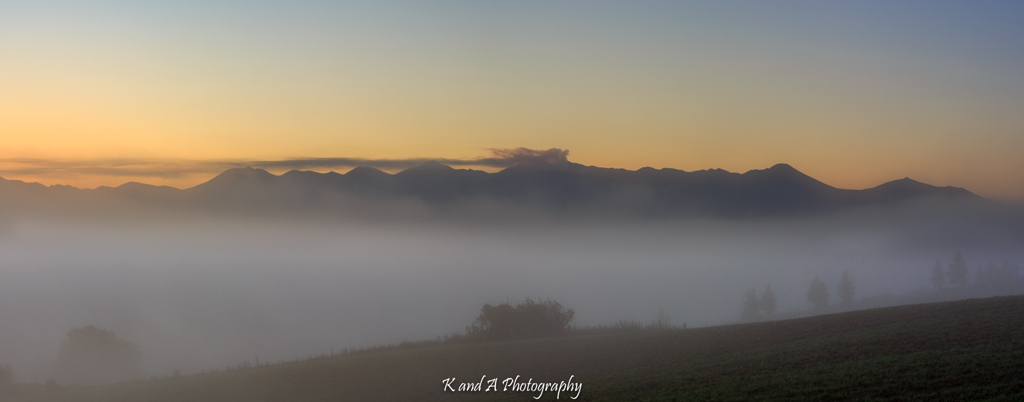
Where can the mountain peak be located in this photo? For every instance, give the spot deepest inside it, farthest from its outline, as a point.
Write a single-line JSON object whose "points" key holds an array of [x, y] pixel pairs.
{"points": [[782, 167], [247, 172], [905, 183], [907, 188], [365, 172], [783, 171], [430, 166], [232, 177], [134, 185], [433, 165]]}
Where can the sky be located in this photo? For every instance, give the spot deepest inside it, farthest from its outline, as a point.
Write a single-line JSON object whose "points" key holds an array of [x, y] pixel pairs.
{"points": [[854, 94]]}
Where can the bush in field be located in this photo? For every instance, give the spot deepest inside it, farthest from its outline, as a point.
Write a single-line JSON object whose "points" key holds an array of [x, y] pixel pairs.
{"points": [[524, 320], [92, 355]]}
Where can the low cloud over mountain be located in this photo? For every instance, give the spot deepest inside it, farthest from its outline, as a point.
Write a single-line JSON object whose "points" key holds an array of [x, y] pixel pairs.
{"points": [[175, 168]]}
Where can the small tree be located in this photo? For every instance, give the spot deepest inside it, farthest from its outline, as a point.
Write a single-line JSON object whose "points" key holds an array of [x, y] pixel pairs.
{"points": [[958, 270], [1000, 279], [768, 302], [818, 294], [751, 306], [938, 275], [526, 319], [664, 320], [846, 289]]}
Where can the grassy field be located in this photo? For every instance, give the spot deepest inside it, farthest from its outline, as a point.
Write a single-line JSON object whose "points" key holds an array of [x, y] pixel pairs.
{"points": [[963, 350]]}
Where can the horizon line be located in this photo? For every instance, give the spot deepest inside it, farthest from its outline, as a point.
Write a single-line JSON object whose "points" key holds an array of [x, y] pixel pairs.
{"points": [[393, 165]]}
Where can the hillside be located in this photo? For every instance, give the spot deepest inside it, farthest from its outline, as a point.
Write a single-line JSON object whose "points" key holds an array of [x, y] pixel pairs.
{"points": [[968, 349]]}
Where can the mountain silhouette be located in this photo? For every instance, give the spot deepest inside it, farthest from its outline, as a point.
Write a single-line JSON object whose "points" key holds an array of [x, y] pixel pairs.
{"points": [[558, 189]]}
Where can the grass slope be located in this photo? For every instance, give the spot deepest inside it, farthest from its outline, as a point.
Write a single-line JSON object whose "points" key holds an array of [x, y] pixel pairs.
{"points": [[964, 350]]}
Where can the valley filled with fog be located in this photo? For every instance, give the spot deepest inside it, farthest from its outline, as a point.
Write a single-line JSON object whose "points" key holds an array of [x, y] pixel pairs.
{"points": [[205, 293]]}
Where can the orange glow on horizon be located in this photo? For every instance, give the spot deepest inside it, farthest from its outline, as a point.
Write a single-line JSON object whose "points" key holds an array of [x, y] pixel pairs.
{"points": [[679, 86]]}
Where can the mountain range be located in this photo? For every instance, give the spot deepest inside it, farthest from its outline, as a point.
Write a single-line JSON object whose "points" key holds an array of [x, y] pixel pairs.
{"points": [[566, 189]]}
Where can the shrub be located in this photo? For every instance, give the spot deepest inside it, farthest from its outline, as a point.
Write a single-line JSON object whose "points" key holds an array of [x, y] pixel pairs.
{"points": [[91, 355], [527, 319]]}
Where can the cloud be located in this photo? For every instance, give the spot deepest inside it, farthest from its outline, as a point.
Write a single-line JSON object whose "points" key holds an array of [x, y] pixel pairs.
{"points": [[501, 158], [121, 167], [178, 168], [527, 157]]}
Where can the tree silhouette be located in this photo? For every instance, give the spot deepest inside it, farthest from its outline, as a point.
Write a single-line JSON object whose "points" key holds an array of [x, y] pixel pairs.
{"points": [[846, 289], [526, 319], [768, 302], [958, 270], [1000, 279], [663, 320], [751, 306], [818, 294], [938, 275], [91, 355]]}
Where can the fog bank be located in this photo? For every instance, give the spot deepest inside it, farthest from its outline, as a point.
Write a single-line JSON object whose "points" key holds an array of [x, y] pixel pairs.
{"points": [[202, 294]]}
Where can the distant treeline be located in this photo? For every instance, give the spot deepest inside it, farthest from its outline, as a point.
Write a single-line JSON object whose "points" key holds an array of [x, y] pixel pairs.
{"points": [[951, 281]]}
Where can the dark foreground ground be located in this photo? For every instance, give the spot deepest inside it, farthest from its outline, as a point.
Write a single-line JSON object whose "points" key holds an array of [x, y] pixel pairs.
{"points": [[964, 350]]}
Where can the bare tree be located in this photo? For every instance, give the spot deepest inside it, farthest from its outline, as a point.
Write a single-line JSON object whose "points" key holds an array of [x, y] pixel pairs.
{"points": [[958, 270], [846, 289], [818, 293], [768, 302]]}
